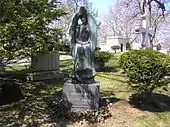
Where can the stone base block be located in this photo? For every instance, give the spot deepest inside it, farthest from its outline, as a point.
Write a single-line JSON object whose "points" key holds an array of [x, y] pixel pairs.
{"points": [[35, 76], [81, 96]]}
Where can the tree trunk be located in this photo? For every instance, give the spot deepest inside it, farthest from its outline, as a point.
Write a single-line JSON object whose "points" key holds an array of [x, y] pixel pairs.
{"points": [[151, 43], [148, 96]]}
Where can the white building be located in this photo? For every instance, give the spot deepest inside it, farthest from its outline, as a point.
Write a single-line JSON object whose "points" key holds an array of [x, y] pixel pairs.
{"points": [[107, 43], [110, 41]]}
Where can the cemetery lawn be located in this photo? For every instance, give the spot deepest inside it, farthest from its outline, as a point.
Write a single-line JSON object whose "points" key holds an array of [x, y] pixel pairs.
{"points": [[34, 111]]}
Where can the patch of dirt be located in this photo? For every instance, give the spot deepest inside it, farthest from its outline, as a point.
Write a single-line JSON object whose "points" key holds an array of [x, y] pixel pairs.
{"points": [[123, 108]]}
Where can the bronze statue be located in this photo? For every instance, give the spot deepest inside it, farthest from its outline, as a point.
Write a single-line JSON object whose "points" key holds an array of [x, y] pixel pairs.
{"points": [[83, 42]]}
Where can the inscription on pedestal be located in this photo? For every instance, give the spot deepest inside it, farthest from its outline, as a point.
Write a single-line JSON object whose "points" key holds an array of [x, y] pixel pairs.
{"points": [[82, 96]]}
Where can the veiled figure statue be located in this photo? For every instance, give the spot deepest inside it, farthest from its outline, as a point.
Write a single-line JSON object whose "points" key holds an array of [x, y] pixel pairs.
{"points": [[83, 42]]}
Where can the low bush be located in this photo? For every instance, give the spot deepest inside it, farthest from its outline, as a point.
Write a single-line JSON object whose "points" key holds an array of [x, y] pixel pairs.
{"points": [[115, 47], [59, 110], [146, 70], [101, 57]]}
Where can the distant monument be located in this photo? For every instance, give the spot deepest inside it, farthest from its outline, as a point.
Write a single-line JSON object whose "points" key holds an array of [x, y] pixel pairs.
{"points": [[145, 28], [82, 92]]}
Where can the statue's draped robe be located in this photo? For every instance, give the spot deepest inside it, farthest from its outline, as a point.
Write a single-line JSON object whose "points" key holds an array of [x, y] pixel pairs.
{"points": [[82, 52]]}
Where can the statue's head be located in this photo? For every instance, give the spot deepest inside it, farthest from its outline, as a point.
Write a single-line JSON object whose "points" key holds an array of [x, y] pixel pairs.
{"points": [[82, 10], [83, 15]]}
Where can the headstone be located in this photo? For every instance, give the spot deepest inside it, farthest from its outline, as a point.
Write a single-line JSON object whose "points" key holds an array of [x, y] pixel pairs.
{"points": [[44, 66], [83, 91]]}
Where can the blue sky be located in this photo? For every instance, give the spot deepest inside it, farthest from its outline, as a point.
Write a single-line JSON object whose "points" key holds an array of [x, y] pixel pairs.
{"points": [[102, 5]]}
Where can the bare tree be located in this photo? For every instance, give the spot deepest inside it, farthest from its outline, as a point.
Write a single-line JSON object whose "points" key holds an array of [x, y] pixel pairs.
{"points": [[123, 17], [103, 31], [121, 20]]}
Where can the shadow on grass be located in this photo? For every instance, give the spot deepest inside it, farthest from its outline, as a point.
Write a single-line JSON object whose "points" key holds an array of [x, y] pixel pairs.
{"points": [[61, 79], [66, 72], [32, 110], [108, 97], [157, 103], [117, 74], [107, 93], [107, 69], [113, 79], [107, 100]]}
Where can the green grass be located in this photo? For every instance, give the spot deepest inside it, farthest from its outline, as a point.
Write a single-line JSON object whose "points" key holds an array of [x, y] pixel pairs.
{"points": [[113, 62], [112, 83], [155, 120], [66, 65], [16, 68]]}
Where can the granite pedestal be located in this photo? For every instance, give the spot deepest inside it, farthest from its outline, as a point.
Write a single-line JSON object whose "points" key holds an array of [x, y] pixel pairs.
{"points": [[81, 96]]}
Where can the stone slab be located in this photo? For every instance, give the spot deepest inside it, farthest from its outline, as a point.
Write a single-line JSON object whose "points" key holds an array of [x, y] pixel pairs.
{"points": [[35, 76], [81, 96]]}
